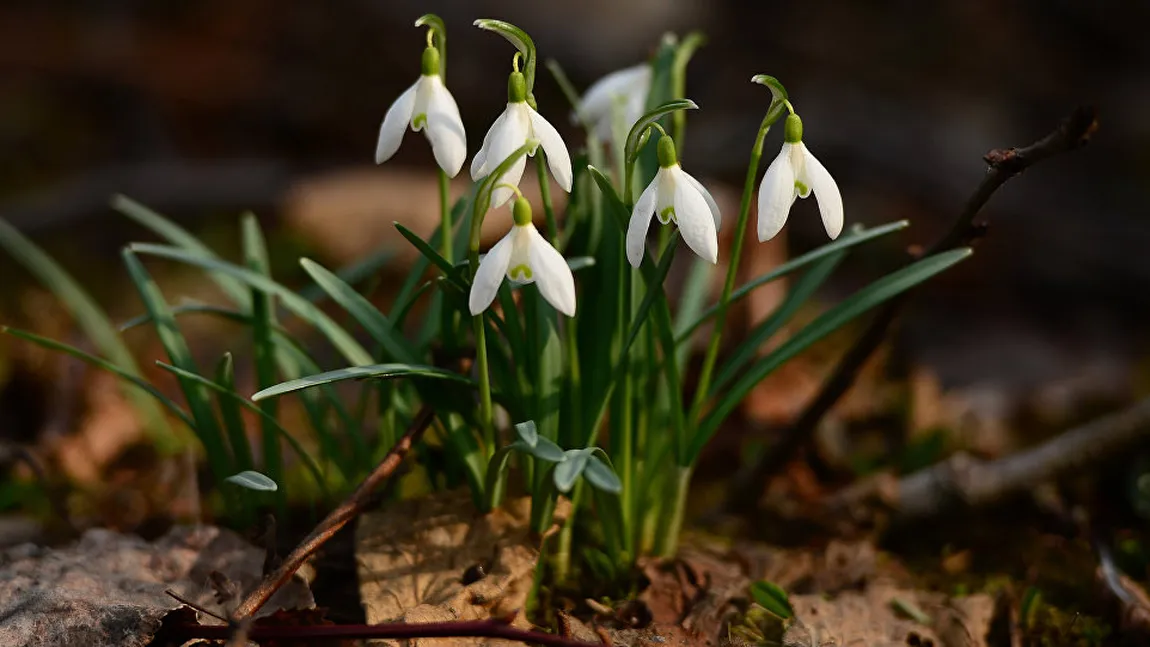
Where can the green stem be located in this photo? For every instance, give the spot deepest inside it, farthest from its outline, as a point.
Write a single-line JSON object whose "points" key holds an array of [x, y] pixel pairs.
{"points": [[708, 368], [445, 223], [563, 549], [667, 543]]}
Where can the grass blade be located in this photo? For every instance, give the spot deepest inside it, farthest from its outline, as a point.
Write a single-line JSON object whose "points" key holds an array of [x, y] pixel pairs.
{"points": [[91, 319], [375, 371], [230, 414], [858, 303], [297, 305]]}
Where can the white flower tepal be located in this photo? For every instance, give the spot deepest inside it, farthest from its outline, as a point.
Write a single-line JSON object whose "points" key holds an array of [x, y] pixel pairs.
{"points": [[627, 88], [795, 173], [524, 256], [428, 106], [519, 124], [675, 196]]}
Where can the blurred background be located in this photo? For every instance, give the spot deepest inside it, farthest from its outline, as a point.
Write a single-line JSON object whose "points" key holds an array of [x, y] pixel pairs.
{"points": [[202, 109]]}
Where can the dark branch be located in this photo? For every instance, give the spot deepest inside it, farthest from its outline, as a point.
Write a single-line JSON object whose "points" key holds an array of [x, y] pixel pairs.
{"points": [[1002, 165], [396, 631], [337, 519], [962, 481]]}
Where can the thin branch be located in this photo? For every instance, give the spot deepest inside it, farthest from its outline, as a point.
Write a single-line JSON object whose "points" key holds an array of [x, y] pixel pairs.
{"points": [[397, 631], [962, 481], [338, 518], [1002, 165]]}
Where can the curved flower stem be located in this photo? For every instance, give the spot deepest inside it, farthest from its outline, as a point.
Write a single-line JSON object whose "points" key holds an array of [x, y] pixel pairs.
{"points": [[773, 114]]}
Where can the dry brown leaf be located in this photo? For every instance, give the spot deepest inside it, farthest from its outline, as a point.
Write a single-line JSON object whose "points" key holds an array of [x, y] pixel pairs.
{"points": [[413, 556], [108, 588]]}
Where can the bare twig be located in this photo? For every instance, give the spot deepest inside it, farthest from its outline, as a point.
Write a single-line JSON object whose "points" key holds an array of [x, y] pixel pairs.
{"points": [[395, 630], [1131, 598], [1002, 165], [964, 481], [337, 519]]}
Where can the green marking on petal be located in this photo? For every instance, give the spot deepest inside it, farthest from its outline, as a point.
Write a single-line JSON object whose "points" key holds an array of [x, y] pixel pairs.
{"points": [[520, 273], [667, 215], [420, 121], [804, 190]]}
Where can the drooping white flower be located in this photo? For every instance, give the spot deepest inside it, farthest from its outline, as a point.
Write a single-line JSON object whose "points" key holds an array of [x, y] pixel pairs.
{"points": [[428, 106], [627, 88], [795, 173], [675, 196], [519, 124], [524, 256]]}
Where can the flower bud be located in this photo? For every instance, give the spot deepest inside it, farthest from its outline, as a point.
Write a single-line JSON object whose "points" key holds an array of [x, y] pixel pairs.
{"points": [[521, 212], [516, 88], [429, 65], [667, 155], [793, 129]]}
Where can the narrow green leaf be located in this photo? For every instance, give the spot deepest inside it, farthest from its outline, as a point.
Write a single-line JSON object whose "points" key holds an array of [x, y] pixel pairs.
{"points": [[778, 92], [302, 308], [103, 365], [773, 598], [858, 303], [181, 238], [303, 455], [176, 347], [368, 266], [803, 289], [372, 371], [92, 320], [430, 254], [230, 414], [855, 237], [362, 310], [263, 346], [253, 480], [496, 477]]}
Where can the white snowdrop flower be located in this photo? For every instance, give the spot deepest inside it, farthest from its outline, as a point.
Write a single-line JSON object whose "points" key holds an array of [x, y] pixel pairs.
{"points": [[524, 256], [628, 88], [428, 106], [795, 173], [675, 196], [519, 124]]}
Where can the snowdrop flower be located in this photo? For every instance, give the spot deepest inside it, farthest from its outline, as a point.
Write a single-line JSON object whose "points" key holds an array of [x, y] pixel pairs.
{"points": [[518, 124], [628, 88], [524, 256], [675, 196], [428, 106], [796, 173]]}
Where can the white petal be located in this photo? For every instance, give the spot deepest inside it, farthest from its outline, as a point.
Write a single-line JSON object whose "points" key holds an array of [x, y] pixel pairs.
{"points": [[551, 272], [776, 194], [711, 204], [628, 82], [394, 124], [445, 128], [508, 133], [695, 220], [558, 159], [489, 276], [640, 222], [665, 195], [501, 194], [826, 192]]}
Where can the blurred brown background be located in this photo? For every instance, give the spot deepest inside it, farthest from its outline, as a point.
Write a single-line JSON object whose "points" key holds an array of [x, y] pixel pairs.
{"points": [[205, 108]]}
